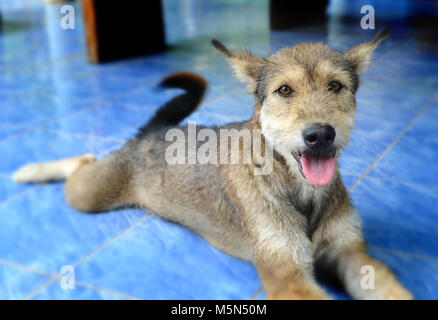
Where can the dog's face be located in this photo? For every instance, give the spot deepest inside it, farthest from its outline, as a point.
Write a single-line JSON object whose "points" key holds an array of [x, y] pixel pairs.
{"points": [[306, 96]]}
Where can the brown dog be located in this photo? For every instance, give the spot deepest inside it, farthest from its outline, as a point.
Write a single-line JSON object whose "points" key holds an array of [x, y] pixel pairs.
{"points": [[285, 221]]}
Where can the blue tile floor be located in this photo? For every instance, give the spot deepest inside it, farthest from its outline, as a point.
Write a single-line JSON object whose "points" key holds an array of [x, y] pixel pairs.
{"points": [[55, 104]]}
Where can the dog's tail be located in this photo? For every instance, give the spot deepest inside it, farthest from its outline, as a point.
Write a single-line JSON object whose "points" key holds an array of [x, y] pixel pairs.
{"points": [[180, 107]]}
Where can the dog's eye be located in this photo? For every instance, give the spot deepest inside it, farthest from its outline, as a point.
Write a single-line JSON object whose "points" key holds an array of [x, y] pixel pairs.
{"points": [[285, 91], [335, 86]]}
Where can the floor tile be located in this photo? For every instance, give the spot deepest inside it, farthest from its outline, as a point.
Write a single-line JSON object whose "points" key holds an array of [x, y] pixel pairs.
{"points": [[92, 88], [238, 104], [10, 189], [37, 109], [362, 150], [220, 77], [398, 216], [424, 128], [410, 160], [151, 95], [43, 145], [17, 283], [55, 104], [167, 261], [409, 62], [56, 292], [8, 129], [48, 234], [111, 120], [349, 179], [417, 274], [387, 106]]}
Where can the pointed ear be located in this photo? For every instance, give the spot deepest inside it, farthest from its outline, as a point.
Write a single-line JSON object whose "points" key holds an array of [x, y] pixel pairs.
{"points": [[246, 66], [361, 54]]}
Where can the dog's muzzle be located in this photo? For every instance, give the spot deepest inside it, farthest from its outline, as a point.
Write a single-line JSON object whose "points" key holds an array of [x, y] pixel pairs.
{"points": [[317, 161]]}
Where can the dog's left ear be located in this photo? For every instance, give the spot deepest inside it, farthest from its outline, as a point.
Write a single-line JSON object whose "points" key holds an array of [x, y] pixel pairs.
{"points": [[361, 54], [246, 66]]}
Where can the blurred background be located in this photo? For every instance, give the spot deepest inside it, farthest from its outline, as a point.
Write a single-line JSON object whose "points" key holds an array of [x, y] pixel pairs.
{"points": [[70, 85]]}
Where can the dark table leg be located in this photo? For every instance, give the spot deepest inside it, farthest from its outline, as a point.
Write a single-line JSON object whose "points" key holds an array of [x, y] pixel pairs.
{"points": [[292, 14], [117, 29]]}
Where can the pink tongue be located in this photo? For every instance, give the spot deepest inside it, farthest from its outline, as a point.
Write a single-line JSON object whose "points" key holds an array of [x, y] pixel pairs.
{"points": [[318, 171]]}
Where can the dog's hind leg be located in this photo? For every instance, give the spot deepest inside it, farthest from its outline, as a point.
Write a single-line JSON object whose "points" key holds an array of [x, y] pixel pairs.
{"points": [[94, 186], [91, 186], [50, 171], [101, 186]]}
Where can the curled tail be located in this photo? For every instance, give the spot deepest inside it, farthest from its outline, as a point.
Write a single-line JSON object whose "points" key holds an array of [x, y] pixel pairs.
{"points": [[180, 107]]}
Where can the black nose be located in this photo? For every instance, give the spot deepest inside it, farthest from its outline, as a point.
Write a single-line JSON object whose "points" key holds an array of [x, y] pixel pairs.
{"points": [[319, 136]]}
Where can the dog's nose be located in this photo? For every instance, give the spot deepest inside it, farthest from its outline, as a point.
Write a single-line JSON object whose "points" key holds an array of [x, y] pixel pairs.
{"points": [[319, 136]]}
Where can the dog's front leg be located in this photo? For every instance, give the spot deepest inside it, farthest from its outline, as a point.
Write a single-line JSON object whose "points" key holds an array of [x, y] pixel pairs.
{"points": [[284, 260], [368, 278], [286, 281], [342, 250]]}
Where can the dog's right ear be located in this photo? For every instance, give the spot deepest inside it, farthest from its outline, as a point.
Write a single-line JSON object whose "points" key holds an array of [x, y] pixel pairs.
{"points": [[360, 55], [246, 66]]}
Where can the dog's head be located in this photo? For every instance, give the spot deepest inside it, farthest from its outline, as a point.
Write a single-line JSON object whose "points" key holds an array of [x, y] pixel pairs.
{"points": [[306, 100]]}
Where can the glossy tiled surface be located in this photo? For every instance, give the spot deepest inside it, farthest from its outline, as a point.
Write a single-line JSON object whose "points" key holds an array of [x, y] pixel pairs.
{"points": [[54, 104]]}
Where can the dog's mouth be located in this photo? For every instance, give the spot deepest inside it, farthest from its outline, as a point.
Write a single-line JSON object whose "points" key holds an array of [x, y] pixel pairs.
{"points": [[316, 167]]}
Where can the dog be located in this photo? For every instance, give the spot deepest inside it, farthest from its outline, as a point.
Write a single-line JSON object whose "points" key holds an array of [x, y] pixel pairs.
{"points": [[297, 217]]}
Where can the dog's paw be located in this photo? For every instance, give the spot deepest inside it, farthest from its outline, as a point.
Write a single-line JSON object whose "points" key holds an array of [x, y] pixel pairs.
{"points": [[28, 173], [396, 292], [387, 288], [300, 291], [53, 170]]}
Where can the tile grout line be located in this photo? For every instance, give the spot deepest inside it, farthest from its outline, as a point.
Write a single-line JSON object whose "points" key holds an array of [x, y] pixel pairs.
{"points": [[90, 254], [44, 87], [20, 194], [397, 138], [88, 106], [95, 104], [38, 66], [98, 104], [219, 96], [109, 149], [390, 52], [224, 94], [256, 293], [40, 288], [36, 185], [402, 182], [55, 276], [111, 291], [88, 136], [47, 123], [405, 253], [106, 243], [27, 268]]}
